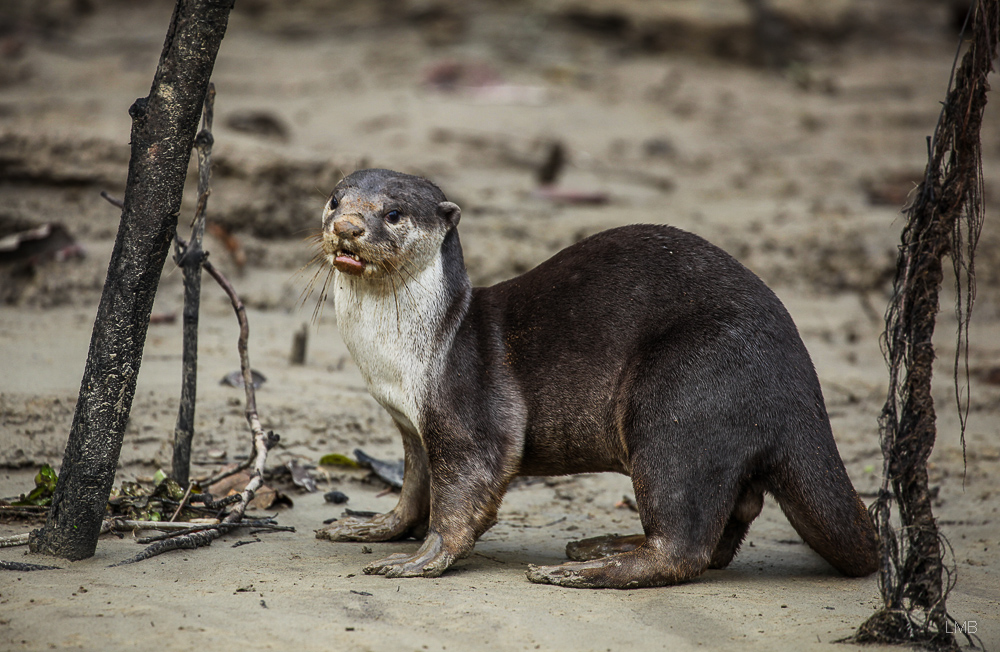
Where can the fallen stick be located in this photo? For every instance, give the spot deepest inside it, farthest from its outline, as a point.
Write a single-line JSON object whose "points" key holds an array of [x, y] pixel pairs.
{"points": [[21, 567], [128, 525], [209, 481], [109, 525], [267, 525], [15, 540]]}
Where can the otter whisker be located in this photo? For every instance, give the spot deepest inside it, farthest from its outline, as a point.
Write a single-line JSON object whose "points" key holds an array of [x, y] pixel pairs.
{"points": [[308, 290], [395, 298], [317, 258], [318, 310], [395, 270], [407, 269]]}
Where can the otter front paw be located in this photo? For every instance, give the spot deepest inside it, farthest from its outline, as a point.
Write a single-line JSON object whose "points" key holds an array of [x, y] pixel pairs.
{"points": [[404, 565], [430, 560], [384, 527]]}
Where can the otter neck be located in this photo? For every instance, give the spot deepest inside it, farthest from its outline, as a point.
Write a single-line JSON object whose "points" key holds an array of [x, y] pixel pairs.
{"points": [[399, 331]]}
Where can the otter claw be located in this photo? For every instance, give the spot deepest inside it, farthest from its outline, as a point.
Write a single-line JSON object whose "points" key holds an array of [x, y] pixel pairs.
{"points": [[404, 565], [348, 529], [384, 527], [568, 575]]}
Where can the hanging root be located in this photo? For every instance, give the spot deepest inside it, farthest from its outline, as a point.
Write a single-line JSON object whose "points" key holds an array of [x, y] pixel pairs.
{"points": [[945, 218]]}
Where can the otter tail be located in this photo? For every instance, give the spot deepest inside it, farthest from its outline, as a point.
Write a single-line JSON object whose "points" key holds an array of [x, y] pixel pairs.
{"points": [[816, 495]]}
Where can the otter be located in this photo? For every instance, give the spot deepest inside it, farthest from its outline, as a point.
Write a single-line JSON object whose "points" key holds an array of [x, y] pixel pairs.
{"points": [[643, 350]]}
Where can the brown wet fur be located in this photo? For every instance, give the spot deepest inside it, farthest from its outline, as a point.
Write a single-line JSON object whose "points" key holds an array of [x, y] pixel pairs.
{"points": [[603, 546]]}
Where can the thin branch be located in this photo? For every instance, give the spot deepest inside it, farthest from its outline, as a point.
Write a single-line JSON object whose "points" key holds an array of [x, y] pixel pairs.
{"points": [[184, 498], [215, 504], [209, 481], [114, 201], [189, 257], [190, 541], [23, 568], [128, 525], [14, 540], [261, 524], [262, 441]]}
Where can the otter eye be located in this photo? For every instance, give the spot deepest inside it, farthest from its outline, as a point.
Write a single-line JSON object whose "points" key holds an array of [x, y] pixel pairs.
{"points": [[393, 217], [333, 203]]}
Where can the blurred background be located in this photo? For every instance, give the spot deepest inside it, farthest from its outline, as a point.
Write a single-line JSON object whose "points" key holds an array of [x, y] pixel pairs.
{"points": [[789, 132]]}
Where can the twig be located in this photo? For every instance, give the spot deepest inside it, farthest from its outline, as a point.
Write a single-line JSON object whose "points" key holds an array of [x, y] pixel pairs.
{"points": [[223, 528], [23, 568], [190, 257], [27, 512], [191, 506], [14, 540], [114, 201], [184, 498], [262, 441], [187, 542], [218, 504], [209, 481], [127, 525]]}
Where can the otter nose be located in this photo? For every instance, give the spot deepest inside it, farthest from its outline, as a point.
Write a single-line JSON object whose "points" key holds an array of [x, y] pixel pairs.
{"points": [[347, 229]]}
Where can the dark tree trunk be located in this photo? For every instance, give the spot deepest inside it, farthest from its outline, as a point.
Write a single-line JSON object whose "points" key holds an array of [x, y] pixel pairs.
{"points": [[163, 131]]}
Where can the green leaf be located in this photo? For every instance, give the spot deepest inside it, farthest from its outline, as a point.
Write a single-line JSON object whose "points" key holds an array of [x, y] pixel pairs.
{"points": [[47, 478], [159, 476], [336, 459], [133, 489], [45, 486], [170, 489]]}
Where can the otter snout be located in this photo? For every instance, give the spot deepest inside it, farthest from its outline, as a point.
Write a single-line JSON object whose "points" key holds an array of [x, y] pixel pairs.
{"points": [[349, 227]]}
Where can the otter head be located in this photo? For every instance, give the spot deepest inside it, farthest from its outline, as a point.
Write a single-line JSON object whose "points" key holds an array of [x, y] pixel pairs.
{"points": [[379, 223]]}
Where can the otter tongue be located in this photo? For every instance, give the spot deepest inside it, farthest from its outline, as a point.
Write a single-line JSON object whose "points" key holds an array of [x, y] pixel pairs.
{"points": [[349, 265]]}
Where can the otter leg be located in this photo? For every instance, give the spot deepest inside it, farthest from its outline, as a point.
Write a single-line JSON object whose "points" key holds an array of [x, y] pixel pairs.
{"points": [[409, 516], [602, 546], [748, 507], [459, 516], [686, 489], [682, 530], [465, 495]]}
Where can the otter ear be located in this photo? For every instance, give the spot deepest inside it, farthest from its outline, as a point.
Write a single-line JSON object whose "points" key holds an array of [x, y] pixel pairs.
{"points": [[449, 212]]}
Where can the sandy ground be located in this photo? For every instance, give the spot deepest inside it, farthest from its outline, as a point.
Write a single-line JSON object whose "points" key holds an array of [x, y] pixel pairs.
{"points": [[781, 168]]}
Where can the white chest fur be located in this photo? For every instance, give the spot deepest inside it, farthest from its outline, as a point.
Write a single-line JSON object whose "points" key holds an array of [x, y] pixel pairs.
{"points": [[391, 330]]}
